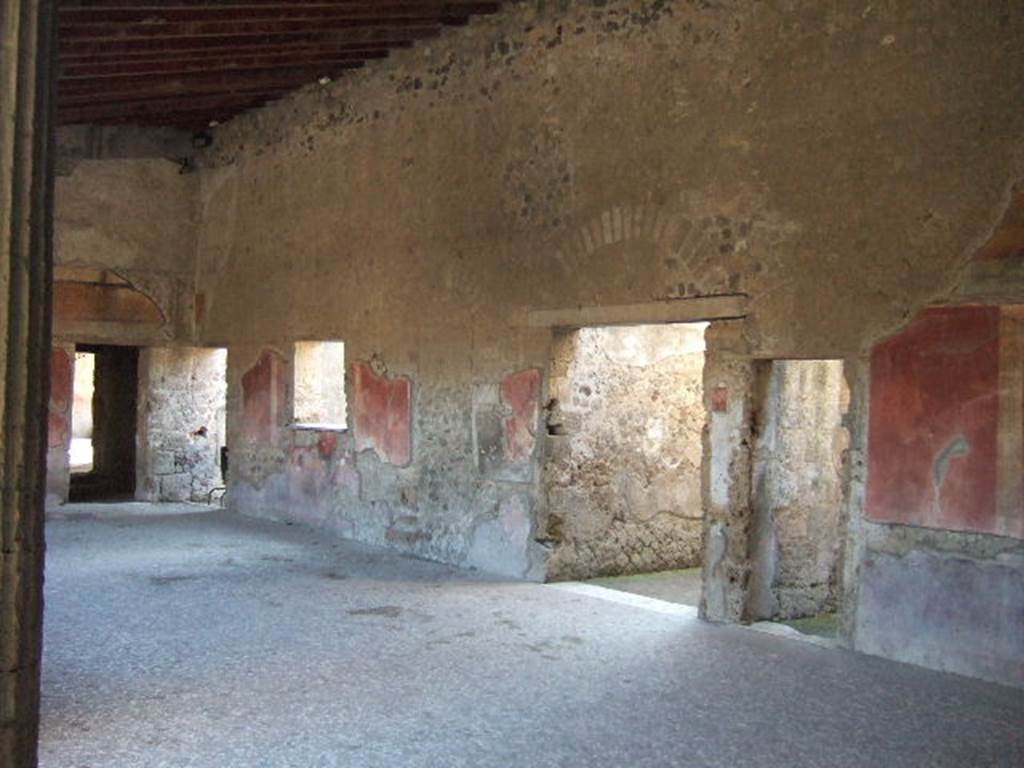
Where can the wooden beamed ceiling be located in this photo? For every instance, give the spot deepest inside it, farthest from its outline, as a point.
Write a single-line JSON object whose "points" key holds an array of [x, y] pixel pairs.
{"points": [[185, 63]]}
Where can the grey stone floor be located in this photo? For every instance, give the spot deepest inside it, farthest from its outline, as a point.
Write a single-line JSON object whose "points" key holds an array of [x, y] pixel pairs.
{"points": [[204, 640]]}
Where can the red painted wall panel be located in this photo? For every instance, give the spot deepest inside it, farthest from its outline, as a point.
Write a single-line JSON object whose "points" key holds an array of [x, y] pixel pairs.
{"points": [[264, 398], [61, 387], [382, 410], [932, 445], [521, 393]]}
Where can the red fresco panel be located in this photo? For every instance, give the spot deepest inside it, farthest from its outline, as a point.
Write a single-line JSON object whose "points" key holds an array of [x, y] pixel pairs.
{"points": [[934, 420], [521, 393], [1010, 465], [382, 414], [61, 388], [264, 388]]}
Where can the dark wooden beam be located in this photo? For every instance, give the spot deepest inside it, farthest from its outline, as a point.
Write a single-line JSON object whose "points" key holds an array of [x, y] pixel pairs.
{"points": [[171, 67], [298, 48], [185, 62], [216, 106], [98, 6], [175, 13], [97, 32], [85, 46], [137, 88]]}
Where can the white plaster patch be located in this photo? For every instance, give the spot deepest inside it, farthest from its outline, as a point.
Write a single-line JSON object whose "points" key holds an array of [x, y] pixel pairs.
{"points": [[627, 598], [723, 429]]}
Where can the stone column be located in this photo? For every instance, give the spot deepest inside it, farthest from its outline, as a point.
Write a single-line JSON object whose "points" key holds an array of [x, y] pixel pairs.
{"points": [[27, 47], [858, 378], [729, 392]]}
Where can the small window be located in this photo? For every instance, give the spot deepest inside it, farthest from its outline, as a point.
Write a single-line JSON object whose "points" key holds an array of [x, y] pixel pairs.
{"points": [[320, 385]]}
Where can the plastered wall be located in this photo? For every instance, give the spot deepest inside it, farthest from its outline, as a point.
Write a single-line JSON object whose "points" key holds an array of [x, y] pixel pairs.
{"points": [[124, 249], [474, 507], [583, 155], [941, 566]]}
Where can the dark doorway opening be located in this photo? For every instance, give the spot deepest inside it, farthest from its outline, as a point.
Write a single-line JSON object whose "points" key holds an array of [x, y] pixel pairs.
{"points": [[114, 419]]}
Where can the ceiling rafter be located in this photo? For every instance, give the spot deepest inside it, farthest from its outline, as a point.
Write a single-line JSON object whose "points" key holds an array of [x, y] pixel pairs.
{"points": [[189, 62]]}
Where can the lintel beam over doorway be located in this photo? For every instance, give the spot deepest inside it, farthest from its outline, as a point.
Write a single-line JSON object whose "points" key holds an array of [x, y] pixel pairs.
{"points": [[725, 307]]}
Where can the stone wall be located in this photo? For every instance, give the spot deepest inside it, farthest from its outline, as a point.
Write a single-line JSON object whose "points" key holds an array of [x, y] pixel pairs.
{"points": [[797, 489], [182, 405], [59, 424], [472, 504], [558, 156], [623, 452], [836, 165]]}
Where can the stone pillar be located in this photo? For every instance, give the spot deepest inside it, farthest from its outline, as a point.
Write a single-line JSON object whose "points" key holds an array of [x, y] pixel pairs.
{"points": [[858, 377], [729, 391], [27, 50]]}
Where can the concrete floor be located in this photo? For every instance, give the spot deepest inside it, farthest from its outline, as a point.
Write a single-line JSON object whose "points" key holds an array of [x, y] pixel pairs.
{"points": [[203, 640]]}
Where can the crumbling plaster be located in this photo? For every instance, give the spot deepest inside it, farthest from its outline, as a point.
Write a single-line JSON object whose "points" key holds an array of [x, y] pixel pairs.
{"points": [[438, 506], [557, 155], [622, 471], [798, 468], [836, 164], [944, 599], [552, 156], [59, 424]]}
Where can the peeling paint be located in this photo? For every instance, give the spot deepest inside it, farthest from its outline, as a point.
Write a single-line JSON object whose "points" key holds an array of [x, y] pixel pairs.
{"points": [[382, 411]]}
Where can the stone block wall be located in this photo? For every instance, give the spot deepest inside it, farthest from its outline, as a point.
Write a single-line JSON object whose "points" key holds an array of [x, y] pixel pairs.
{"points": [[623, 458], [182, 413], [797, 492]]}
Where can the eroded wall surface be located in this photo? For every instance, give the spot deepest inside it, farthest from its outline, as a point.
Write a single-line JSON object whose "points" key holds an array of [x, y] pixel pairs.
{"points": [[182, 422], [550, 155], [473, 507], [623, 451], [559, 156], [838, 164], [797, 489]]}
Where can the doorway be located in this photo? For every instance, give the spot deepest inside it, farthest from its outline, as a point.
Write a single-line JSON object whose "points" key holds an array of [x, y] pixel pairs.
{"points": [[81, 450], [623, 467], [104, 417]]}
